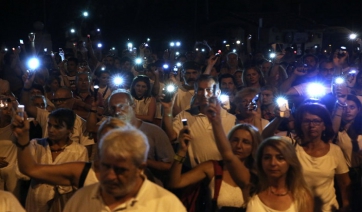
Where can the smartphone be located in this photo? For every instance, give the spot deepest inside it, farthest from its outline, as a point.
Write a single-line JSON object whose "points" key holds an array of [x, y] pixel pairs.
{"points": [[253, 104], [184, 123], [20, 111], [175, 70], [342, 51], [21, 42], [95, 89]]}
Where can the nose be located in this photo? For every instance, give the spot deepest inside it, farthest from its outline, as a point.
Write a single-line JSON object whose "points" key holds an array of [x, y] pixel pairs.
{"points": [[273, 161]]}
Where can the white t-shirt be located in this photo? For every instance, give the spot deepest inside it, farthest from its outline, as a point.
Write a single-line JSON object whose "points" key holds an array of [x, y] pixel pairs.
{"points": [[256, 205], [183, 98], [229, 196], [344, 141], [150, 197], [203, 147], [319, 175], [8, 203]]}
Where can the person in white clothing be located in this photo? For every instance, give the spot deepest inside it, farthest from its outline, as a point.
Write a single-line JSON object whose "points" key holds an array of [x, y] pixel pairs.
{"points": [[277, 184], [321, 160], [347, 121], [244, 140], [122, 184], [9, 203], [202, 147]]}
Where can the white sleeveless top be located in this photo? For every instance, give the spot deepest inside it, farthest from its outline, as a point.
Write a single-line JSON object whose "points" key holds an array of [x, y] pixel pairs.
{"points": [[141, 106], [229, 196], [255, 204]]}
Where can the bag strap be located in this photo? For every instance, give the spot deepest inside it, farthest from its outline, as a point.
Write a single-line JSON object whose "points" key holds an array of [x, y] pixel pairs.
{"points": [[218, 178], [84, 174]]}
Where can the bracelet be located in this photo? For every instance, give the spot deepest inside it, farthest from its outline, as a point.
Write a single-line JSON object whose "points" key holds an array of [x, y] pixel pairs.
{"points": [[179, 158], [22, 147], [26, 89]]}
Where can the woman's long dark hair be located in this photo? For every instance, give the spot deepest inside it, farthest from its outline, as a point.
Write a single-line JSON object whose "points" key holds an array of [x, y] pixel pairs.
{"points": [[145, 79]]}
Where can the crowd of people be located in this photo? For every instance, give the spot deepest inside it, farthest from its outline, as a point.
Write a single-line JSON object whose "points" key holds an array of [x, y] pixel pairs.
{"points": [[183, 131]]}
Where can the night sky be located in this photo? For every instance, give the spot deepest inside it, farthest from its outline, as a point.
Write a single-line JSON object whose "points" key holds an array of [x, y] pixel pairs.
{"points": [[162, 20]]}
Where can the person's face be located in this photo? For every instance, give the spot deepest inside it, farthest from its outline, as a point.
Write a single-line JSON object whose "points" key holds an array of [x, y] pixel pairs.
{"points": [[311, 63], [238, 77], [108, 62], [35, 92], [232, 60], [241, 143], [71, 66], [190, 76], [120, 107], [140, 88], [327, 71], [351, 111], [147, 52], [118, 176], [267, 97], [54, 85], [205, 91], [340, 90], [273, 163], [312, 126], [243, 106], [227, 85], [252, 76], [117, 64], [104, 79], [265, 67], [83, 82], [127, 66], [57, 131], [62, 99], [39, 102]]}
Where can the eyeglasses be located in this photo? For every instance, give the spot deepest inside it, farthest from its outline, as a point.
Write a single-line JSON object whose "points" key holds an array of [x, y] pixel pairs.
{"points": [[313, 122], [59, 100]]}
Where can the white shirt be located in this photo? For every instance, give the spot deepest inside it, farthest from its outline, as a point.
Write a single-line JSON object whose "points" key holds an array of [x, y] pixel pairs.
{"points": [[256, 205], [40, 193], [203, 147], [183, 98], [319, 175], [8, 203], [150, 197], [79, 134], [344, 141]]}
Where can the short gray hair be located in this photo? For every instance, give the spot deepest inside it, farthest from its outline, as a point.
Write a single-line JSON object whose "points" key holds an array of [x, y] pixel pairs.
{"points": [[125, 142], [121, 91]]}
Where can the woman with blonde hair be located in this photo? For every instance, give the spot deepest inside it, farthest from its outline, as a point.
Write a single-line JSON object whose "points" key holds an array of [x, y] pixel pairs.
{"points": [[279, 185]]}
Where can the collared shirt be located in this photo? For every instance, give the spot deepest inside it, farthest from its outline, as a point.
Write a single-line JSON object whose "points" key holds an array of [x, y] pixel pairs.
{"points": [[150, 197], [203, 147], [183, 98]]}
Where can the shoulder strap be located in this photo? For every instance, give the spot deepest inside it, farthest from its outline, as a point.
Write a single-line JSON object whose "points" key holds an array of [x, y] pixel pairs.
{"points": [[84, 174], [218, 178], [104, 93]]}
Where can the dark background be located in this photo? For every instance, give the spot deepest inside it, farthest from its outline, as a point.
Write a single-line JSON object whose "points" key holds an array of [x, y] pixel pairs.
{"points": [[161, 20]]}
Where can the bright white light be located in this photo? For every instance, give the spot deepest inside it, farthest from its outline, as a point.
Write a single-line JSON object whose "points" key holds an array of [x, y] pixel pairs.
{"points": [[148, 40], [98, 30], [352, 72], [202, 50], [117, 81], [238, 42], [165, 66], [99, 45], [178, 64], [316, 90], [138, 61], [103, 68], [281, 101], [170, 88], [129, 45], [224, 98], [33, 63], [339, 80], [85, 14], [352, 36], [172, 44], [72, 30], [178, 43], [224, 41], [177, 53], [96, 87], [272, 55], [234, 50], [197, 49]]}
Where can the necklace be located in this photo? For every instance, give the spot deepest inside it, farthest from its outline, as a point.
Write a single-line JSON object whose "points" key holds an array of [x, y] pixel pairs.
{"points": [[276, 194]]}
